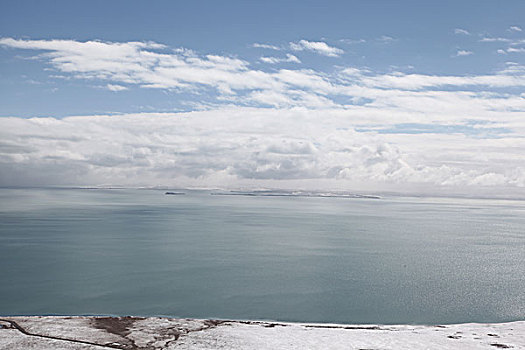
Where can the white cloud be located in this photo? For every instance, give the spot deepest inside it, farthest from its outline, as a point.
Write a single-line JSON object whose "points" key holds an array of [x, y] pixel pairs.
{"points": [[140, 64], [514, 29], [464, 53], [353, 41], [237, 146], [386, 39], [516, 50], [319, 47], [115, 87], [461, 31], [491, 40], [275, 60], [422, 81], [513, 45], [266, 46], [348, 128]]}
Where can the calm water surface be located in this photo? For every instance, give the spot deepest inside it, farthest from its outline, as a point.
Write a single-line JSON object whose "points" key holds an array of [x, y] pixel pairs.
{"points": [[139, 252]]}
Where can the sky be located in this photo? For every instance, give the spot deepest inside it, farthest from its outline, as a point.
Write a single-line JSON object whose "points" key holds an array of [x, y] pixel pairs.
{"points": [[370, 96]]}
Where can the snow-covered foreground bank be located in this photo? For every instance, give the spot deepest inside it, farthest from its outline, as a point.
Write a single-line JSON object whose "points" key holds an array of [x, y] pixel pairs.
{"points": [[134, 333]]}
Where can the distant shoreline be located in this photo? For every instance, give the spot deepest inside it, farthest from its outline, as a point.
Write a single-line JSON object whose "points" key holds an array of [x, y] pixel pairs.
{"points": [[518, 196], [294, 194]]}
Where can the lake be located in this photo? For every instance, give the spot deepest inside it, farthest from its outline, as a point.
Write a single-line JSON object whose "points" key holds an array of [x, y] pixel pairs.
{"points": [[337, 260]]}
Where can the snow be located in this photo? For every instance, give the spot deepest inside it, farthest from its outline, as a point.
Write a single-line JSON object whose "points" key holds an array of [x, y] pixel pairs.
{"points": [[293, 336], [165, 333]]}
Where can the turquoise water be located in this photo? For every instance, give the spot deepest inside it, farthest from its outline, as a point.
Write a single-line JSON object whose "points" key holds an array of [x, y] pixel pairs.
{"points": [[341, 260]]}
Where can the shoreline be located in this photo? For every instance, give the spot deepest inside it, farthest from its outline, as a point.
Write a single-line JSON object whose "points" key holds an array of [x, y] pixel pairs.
{"points": [[156, 333]]}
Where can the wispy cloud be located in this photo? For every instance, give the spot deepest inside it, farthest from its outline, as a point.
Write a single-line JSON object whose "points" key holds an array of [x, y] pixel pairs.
{"points": [[275, 60], [142, 65], [491, 40], [513, 45], [115, 87], [516, 50], [352, 41], [461, 31], [509, 41], [464, 53], [319, 47], [266, 46], [386, 39]]}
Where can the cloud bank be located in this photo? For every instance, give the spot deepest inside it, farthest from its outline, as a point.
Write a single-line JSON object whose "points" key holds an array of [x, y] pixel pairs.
{"points": [[252, 147]]}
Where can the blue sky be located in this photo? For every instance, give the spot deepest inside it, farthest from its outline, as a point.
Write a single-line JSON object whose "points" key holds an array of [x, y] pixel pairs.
{"points": [[429, 93], [422, 32]]}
